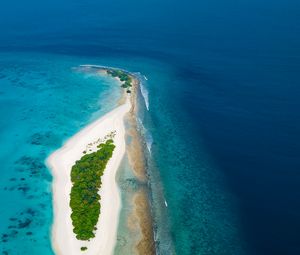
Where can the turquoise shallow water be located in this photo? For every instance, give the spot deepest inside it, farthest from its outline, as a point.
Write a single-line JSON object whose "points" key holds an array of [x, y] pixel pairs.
{"points": [[43, 101], [128, 236]]}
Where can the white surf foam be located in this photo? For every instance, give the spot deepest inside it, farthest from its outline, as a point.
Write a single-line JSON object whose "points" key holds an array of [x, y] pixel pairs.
{"points": [[146, 134], [145, 94]]}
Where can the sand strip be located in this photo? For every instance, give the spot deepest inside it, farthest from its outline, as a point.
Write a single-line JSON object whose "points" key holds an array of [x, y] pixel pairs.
{"points": [[61, 161]]}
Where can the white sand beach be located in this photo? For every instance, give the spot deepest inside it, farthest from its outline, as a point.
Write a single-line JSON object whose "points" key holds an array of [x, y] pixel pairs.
{"points": [[61, 161]]}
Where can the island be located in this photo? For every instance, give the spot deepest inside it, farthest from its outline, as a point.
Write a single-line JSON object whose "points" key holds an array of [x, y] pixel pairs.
{"points": [[86, 199]]}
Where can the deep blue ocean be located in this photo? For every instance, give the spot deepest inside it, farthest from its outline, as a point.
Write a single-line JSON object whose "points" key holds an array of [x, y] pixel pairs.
{"points": [[224, 115]]}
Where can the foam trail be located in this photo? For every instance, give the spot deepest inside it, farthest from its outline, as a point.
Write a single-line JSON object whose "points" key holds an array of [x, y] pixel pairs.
{"points": [[146, 134], [145, 93], [149, 141]]}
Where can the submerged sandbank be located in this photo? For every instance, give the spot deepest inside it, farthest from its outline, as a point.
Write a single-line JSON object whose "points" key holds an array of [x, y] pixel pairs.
{"points": [[138, 224]]}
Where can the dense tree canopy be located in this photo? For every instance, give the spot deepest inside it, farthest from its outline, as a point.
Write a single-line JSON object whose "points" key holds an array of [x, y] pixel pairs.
{"points": [[123, 76], [86, 178]]}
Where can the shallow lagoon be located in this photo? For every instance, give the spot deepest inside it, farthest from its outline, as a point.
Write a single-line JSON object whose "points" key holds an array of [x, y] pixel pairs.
{"points": [[43, 101]]}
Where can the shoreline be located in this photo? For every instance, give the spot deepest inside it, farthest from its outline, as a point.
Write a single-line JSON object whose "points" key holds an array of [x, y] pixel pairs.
{"points": [[137, 159], [60, 162]]}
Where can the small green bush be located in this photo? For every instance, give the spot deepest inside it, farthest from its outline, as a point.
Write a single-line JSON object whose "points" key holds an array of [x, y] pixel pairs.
{"points": [[123, 76]]}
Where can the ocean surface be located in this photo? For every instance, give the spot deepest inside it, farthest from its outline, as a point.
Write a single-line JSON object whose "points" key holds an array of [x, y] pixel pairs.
{"points": [[220, 114]]}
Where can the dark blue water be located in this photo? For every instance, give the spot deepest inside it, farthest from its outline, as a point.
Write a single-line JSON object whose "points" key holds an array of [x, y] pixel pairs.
{"points": [[224, 108]]}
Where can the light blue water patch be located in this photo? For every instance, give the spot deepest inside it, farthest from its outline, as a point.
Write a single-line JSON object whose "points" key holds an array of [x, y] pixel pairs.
{"points": [[43, 101]]}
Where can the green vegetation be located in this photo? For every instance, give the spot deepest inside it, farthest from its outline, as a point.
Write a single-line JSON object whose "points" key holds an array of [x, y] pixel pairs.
{"points": [[83, 248], [123, 76], [86, 178]]}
